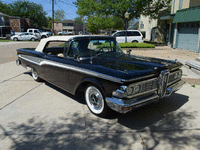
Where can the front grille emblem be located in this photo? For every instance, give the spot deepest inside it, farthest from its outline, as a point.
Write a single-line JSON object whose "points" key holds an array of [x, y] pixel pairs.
{"points": [[162, 83]]}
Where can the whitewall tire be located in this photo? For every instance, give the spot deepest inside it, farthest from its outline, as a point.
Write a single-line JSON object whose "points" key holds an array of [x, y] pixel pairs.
{"points": [[35, 75], [95, 101]]}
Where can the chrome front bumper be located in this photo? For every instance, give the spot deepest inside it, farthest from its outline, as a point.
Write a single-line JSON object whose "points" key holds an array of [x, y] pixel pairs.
{"points": [[126, 105]]}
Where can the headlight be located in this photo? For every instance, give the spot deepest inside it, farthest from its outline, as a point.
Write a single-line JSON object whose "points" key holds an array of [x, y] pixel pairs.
{"points": [[137, 89], [120, 93], [178, 74], [129, 91], [125, 91]]}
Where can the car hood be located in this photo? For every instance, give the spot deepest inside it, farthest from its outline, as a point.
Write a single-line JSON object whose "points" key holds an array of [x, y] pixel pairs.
{"points": [[131, 66]]}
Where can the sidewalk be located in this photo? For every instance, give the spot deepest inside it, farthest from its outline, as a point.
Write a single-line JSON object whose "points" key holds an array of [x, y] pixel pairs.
{"points": [[40, 116]]}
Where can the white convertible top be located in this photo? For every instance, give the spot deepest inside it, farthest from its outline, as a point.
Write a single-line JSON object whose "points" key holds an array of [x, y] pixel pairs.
{"points": [[43, 42]]}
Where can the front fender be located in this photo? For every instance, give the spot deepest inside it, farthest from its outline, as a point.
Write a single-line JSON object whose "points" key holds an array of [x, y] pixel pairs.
{"points": [[92, 81]]}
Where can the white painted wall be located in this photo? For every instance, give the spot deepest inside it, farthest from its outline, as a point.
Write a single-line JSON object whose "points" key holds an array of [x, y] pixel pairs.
{"points": [[149, 23]]}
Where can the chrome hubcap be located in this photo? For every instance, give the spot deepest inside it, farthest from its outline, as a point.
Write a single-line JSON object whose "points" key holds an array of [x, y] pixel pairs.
{"points": [[94, 100]]}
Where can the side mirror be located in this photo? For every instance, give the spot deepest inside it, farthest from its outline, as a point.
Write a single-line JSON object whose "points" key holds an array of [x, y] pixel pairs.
{"points": [[129, 51]]}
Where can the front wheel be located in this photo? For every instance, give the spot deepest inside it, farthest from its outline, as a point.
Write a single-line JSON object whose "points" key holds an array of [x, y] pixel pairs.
{"points": [[35, 75], [15, 39], [95, 101], [33, 39]]}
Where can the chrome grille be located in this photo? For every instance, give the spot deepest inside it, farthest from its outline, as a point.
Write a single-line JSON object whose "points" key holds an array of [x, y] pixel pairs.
{"points": [[149, 85]]}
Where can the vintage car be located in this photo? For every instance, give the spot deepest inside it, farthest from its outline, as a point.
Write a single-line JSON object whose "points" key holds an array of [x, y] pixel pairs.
{"points": [[110, 79]]}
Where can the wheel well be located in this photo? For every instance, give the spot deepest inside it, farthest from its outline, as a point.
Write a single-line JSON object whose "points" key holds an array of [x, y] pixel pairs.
{"points": [[82, 86], [134, 41]]}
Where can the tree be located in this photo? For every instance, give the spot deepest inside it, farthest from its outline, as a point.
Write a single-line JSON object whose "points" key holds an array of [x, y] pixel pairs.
{"points": [[118, 8], [103, 22], [59, 15], [26, 9], [79, 20], [4, 8], [49, 20]]}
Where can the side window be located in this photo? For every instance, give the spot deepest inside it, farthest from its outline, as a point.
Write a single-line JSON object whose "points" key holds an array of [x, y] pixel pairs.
{"points": [[73, 50], [35, 31], [56, 48], [129, 33], [31, 31], [135, 33], [120, 34]]}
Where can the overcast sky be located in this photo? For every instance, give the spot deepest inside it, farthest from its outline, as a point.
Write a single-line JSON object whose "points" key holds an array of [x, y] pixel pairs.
{"points": [[67, 5]]}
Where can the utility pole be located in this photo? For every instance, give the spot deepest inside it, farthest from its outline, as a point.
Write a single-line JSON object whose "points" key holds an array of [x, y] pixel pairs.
{"points": [[53, 17]]}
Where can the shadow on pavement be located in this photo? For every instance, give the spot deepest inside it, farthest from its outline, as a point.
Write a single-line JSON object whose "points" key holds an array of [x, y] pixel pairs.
{"points": [[121, 131], [150, 114]]}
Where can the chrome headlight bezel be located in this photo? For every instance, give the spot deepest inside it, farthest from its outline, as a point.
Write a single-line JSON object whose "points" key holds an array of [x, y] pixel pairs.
{"points": [[120, 92]]}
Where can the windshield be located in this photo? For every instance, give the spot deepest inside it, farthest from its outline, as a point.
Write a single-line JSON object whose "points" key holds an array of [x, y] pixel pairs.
{"points": [[88, 48]]}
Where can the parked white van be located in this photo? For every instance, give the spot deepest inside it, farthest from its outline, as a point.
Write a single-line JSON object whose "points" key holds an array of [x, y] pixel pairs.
{"points": [[132, 36]]}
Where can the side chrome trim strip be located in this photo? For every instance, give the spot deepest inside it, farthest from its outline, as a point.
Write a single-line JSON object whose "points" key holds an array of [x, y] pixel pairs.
{"points": [[42, 61]]}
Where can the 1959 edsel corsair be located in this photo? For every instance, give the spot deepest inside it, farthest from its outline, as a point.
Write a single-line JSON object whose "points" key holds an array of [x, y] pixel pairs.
{"points": [[97, 65]]}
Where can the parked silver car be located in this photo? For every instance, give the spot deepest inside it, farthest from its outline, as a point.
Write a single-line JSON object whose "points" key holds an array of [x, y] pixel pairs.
{"points": [[24, 36]]}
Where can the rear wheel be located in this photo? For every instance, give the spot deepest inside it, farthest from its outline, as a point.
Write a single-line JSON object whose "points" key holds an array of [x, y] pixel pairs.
{"points": [[135, 41], [95, 101], [33, 39], [15, 39], [43, 37], [35, 75]]}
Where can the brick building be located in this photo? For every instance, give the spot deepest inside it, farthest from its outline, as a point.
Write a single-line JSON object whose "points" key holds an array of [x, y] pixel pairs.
{"points": [[19, 24], [68, 26]]}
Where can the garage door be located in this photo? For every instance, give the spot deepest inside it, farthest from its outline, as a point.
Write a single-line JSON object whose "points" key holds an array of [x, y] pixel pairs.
{"points": [[188, 36]]}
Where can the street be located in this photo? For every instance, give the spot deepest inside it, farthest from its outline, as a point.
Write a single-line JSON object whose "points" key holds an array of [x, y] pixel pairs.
{"points": [[38, 115], [8, 50]]}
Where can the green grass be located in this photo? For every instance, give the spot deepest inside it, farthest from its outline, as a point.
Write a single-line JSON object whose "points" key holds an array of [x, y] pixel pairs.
{"points": [[5, 40], [136, 45]]}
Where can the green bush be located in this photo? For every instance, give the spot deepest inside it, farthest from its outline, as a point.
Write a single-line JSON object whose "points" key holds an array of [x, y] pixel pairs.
{"points": [[136, 45], [143, 33]]}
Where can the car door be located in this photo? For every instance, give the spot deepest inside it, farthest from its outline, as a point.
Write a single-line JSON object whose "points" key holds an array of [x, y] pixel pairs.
{"points": [[56, 65], [79, 67], [134, 36], [21, 37], [37, 33], [120, 37], [26, 36]]}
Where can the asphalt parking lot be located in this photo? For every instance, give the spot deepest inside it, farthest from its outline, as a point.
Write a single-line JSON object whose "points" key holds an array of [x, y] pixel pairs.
{"points": [[37, 115]]}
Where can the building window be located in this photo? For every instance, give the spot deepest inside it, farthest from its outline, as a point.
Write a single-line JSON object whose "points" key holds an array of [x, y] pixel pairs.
{"points": [[57, 24], [142, 26]]}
